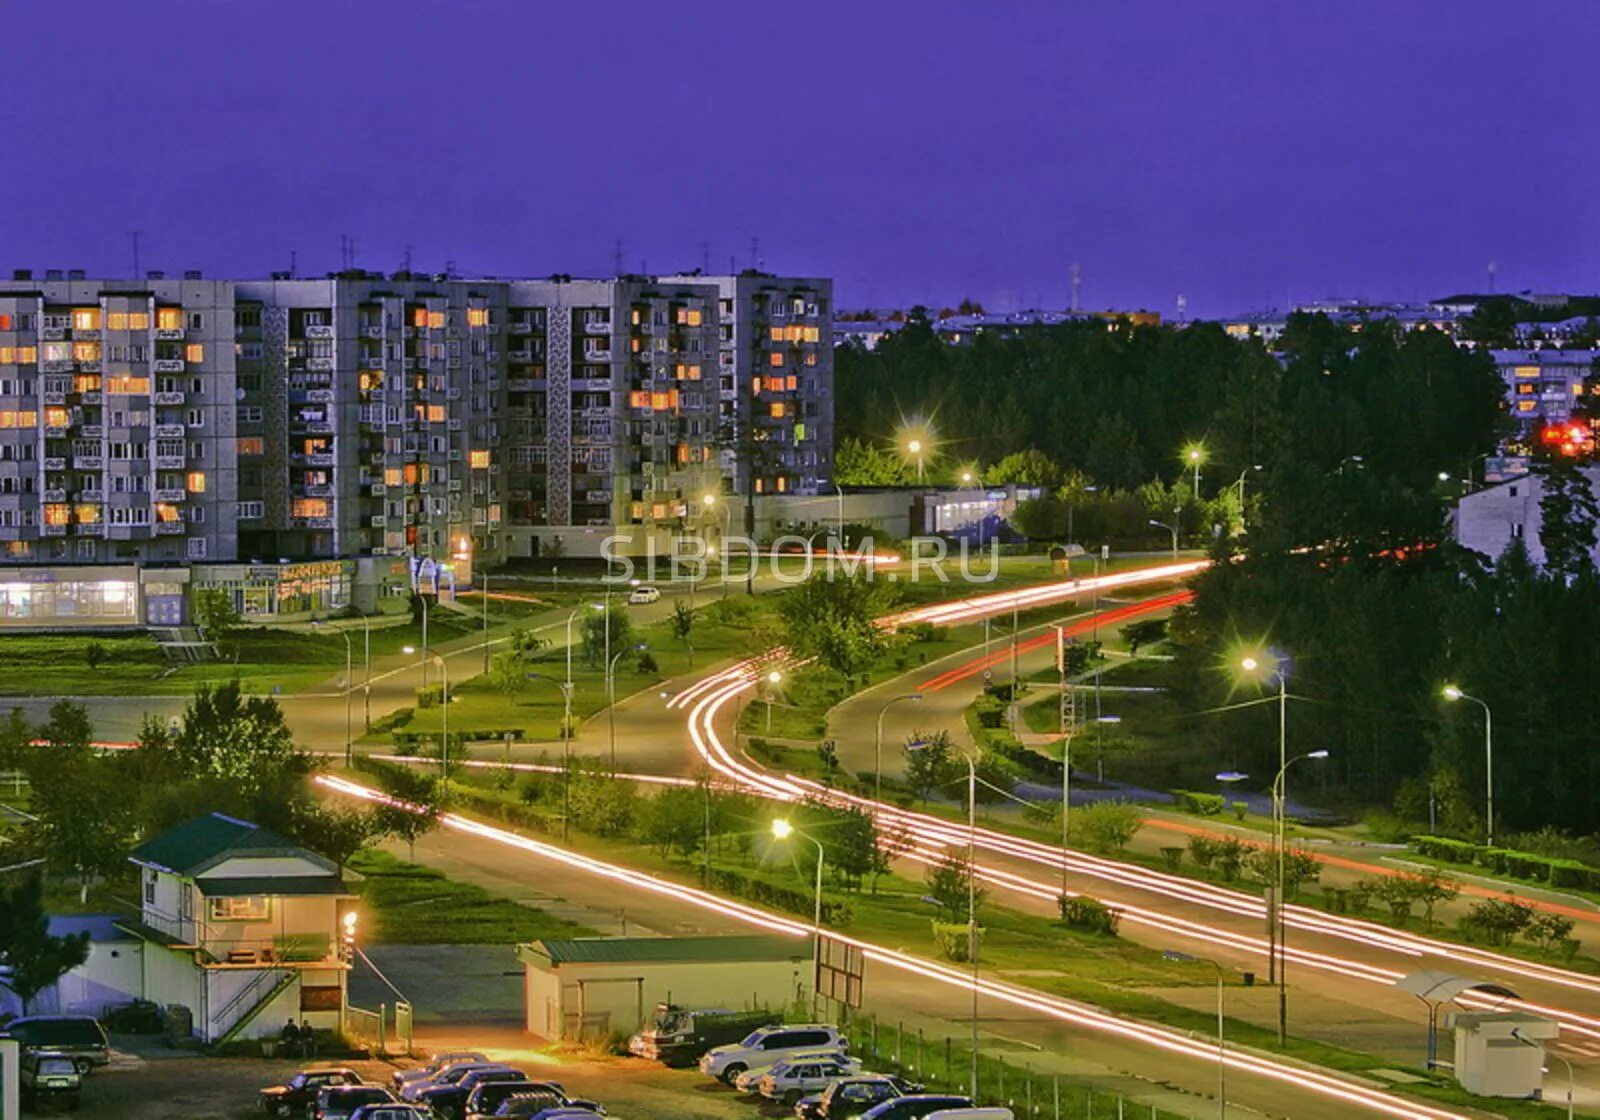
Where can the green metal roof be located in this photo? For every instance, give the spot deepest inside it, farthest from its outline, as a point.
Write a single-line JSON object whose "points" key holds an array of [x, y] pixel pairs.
{"points": [[664, 950], [189, 847], [292, 886]]}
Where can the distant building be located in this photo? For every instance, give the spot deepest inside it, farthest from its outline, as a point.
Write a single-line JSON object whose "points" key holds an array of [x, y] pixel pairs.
{"points": [[1543, 385], [1487, 521]]}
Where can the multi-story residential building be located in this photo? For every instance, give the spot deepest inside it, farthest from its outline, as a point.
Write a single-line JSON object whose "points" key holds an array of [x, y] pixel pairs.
{"points": [[1543, 385], [774, 382], [438, 421]]}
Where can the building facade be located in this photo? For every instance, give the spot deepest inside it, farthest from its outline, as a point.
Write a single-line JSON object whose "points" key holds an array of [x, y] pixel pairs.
{"points": [[442, 420]]}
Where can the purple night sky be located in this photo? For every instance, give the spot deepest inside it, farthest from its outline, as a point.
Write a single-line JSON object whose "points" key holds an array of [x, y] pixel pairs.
{"points": [[1241, 152]]}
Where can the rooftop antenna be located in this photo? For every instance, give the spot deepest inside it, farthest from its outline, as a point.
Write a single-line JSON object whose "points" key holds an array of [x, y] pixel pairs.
{"points": [[1183, 308], [450, 270], [294, 257], [135, 238], [1077, 287], [755, 252], [733, 265], [1492, 269], [405, 261], [616, 257], [705, 258]]}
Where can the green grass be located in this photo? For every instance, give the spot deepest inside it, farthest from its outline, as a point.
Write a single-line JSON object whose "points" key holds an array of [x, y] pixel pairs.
{"points": [[412, 905]]}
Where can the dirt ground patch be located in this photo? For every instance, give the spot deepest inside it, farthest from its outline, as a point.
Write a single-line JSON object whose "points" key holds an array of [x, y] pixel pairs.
{"points": [[156, 1086]]}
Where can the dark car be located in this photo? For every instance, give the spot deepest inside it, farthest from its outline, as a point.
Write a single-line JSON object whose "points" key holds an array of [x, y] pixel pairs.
{"points": [[914, 1107], [396, 1111], [79, 1037], [450, 1101], [48, 1076], [337, 1102], [487, 1097], [297, 1094], [545, 1104], [852, 1096]]}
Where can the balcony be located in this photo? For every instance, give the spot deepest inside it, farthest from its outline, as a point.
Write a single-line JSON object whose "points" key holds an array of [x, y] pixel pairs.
{"points": [[378, 489], [52, 530], [55, 398], [316, 491], [173, 335], [319, 331], [172, 495], [320, 365], [167, 365], [311, 522], [93, 431], [169, 398], [525, 385], [319, 396], [55, 497], [371, 330], [93, 396], [520, 328], [52, 334], [92, 529], [169, 431], [96, 495], [597, 353], [90, 366], [56, 367], [323, 459], [55, 464], [314, 427], [55, 433], [378, 522], [169, 462], [597, 326], [169, 528]]}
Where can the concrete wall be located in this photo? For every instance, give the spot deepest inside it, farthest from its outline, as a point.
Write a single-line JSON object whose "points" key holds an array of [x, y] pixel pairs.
{"points": [[1488, 520]]}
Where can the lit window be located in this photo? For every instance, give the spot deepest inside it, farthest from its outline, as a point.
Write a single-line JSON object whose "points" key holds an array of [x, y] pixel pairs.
{"points": [[86, 351], [57, 514], [5, 323], [86, 383], [658, 510], [197, 482], [436, 319], [811, 359], [309, 507], [85, 318], [755, 385], [252, 445], [411, 474], [777, 410], [392, 476], [436, 414], [18, 419], [639, 398], [169, 318], [58, 351], [371, 380], [245, 908], [658, 400], [478, 460], [775, 358], [1526, 371], [689, 316], [813, 334], [86, 514], [477, 316], [761, 486], [15, 355], [194, 352], [56, 417], [419, 317], [783, 484], [128, 385], [793, 383], [1525, 406]]}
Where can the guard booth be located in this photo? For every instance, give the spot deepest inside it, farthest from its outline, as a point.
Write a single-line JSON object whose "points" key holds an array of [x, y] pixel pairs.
{"points": [[1501, 1053], [594, 987]]}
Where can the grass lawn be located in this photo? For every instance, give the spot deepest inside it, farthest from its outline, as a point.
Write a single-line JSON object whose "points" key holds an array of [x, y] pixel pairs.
{"points": [[412, 905]]}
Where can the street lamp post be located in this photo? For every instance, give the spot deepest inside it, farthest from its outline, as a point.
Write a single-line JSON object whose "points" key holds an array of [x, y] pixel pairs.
{"points": [[1280, 799], [611, 699], [1517, 1034], [1222, 1044], [915, 447], [366, 683], [1068, 724], [565, 688], [1240, 484], [774, 678], [782, 830], [1173, 529], [444, 706], [877, 748], [1452, 693], [426, 610], [485, 592], [1195, 455], [349, 687]]}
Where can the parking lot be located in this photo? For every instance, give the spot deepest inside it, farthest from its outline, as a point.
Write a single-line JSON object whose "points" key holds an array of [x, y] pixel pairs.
{"points": [[145, 1081]]}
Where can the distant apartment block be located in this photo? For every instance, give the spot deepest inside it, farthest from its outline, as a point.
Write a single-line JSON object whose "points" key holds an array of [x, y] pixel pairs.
{"points": [[283, 430], [1542, 386]]}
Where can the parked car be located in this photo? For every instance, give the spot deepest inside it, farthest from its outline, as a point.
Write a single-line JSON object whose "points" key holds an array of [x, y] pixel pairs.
{"points": [[393, 1111], [338, 1102], [750, 1080], [851, 1096], [790, 1080], [79, 1037], [450, 1101], [295, 1096], [768, 1046], [993, 1113], [677, 1036], [486, 1097], [449, 1075], [547, 1104], [917, 1106], [401, 1077], [46, 1075], [645, 594]]}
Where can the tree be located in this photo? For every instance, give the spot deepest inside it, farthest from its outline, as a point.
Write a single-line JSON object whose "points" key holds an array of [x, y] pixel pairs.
{"points": [[673, 820], [242, 740], [335, 832], [859, 463], [424, 795], [508, 673], [36, 959], [1568, 514], [214, 613], [928, 766], [1024, 468], [83, 819], [834, 619], [949, 882], [1298, 868], [1108, 825], [850, 843], [596, 624], [681, 622]]}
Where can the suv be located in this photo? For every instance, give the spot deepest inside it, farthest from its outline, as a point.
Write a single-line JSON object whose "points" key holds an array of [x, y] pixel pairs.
{"points": [[48, 1075], [296, 1096], [450, 1101], [77, 1036], [790, 1080], [769, 1046], [486, 1097], [851, 1096]]}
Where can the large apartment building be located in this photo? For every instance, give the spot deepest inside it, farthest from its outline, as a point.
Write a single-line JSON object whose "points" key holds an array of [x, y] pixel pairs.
{"points": [[432, 419]]}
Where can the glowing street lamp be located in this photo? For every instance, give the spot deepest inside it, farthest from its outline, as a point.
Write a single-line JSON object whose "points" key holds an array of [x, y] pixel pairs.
{"points": [[1194, 455], [444, 704], [774, 679], [783, 830], [916, 443], [1452, 694]]}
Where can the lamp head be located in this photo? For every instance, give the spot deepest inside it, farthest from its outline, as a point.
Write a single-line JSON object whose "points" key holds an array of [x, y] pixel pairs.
{"points": [[1451, 692], [1232, 776], [1249, 664], [408, 649], [1317, 754], [782, 829], [709, 499], [915, 447], [774, 677]]}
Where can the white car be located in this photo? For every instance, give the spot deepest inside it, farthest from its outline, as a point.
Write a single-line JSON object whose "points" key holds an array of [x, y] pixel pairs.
{"points": [[794, 1078], [401, 1077], [768, 1046], [750, 1080], [644, 594]]}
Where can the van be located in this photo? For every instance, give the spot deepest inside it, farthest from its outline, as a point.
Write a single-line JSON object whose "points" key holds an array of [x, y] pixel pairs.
{"points": [[77, 1036]]}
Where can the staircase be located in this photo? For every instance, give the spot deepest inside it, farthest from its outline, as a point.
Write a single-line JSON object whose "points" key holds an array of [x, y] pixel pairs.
{"points": [[252, 1000]]}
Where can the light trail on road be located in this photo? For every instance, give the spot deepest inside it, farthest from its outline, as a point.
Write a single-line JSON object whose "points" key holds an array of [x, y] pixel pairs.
{"points": [[1297, 1076]]}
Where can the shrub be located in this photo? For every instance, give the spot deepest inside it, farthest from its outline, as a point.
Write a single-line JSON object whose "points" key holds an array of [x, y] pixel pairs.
{"points": [[1108, 826], [1445, 849], [1203, 850], [94, 653], [1201, 804], [954, 940], [741, 884], [1090, 915], [1548, 930], [1229, 858], [397, 718], [1497, 921]]}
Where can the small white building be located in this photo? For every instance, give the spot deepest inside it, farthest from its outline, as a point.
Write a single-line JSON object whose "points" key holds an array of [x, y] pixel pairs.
{"points": [[241, 927], [597, 985], [1488, 520]]}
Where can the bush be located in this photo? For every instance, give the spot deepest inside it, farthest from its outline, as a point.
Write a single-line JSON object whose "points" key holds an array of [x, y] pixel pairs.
{"points": [[1201, 804], [1445, 849], [1089, 914], [397, 718], [1108, 826], [94, 653], [1203, 850], [741, 884], [1497, 921], [989, 711], [954, 940]]}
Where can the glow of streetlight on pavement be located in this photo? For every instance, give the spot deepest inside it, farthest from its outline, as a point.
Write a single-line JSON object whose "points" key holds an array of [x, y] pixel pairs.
{"points": [[782, 829]]}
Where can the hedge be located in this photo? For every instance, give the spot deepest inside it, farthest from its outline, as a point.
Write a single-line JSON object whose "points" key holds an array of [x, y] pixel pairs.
{"points": [[741, 884], [1201, 804], [414, 739], [1506, 861]]}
